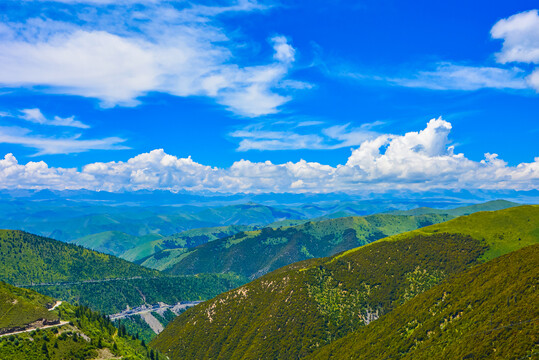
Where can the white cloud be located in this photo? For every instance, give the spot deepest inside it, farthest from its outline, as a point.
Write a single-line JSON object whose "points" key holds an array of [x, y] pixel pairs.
{"points": [[283, 51], [56, 145], [36, 116], [520, 35], [156, 48], [259, 137], [449, 76], [420, 160]]}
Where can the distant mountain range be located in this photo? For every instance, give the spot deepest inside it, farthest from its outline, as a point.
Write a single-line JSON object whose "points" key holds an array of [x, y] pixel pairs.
{"points": [[401, 199], [297, 310]]}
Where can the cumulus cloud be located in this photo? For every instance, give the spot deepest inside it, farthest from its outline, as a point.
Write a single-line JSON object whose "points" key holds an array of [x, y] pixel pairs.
{"points": [[419, 160], [179, 51], [520, 35], [36, 116]]}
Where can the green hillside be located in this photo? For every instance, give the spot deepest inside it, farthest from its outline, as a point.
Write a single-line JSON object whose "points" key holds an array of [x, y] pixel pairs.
{"points": [[255, 253], [293, 311], [462, 210], [186, 239], [487, 312], [103, 282], [504, 230], [81, 334], [114, 296], [114, 242], [27, 258], [20, 307]]}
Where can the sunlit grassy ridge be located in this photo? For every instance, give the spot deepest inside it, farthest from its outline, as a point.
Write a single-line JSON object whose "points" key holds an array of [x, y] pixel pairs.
{"points": [[487, 312], [504, 230], [296, 310]]}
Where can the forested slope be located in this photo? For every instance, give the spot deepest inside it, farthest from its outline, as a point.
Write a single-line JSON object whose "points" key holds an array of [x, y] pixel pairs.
{"points": [[255, 253], [487, 312], [295, 310], [27, 258]]}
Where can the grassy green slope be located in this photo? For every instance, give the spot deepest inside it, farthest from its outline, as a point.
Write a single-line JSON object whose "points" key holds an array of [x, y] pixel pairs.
{"points": [[114, 242], [183, 240], [504, 230], [27, 258], [293, 311], [487, 312], [462, 210], [20, 307], [256, 253], [88, 335]]}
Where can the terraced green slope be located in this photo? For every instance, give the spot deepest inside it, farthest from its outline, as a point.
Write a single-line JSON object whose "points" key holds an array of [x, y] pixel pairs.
{"points": [[255, 253], [293, 311], [27, 258], [20, 307], [487, 312]]}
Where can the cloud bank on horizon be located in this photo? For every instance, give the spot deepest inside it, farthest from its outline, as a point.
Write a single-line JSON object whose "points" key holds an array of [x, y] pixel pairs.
{"points": [[420, 160]]}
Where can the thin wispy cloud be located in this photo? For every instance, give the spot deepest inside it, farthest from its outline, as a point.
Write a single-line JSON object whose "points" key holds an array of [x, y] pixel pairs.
{"points": [[47, 145], [308, 135], [520, 36], [36, 116], [448, 76]]}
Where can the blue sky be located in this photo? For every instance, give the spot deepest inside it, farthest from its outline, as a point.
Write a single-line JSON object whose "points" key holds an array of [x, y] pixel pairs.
{"points": [[257, 96]]}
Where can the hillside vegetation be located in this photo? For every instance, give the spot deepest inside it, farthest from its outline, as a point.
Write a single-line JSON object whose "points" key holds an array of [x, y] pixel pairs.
{"points": [[487, 312], [102, 282], [255, 253], [295, 310], [504, 230], [27, 258], [114, 242], [82, 334], [20, 307], [183, 241], [462, 210], [114, 296]]}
